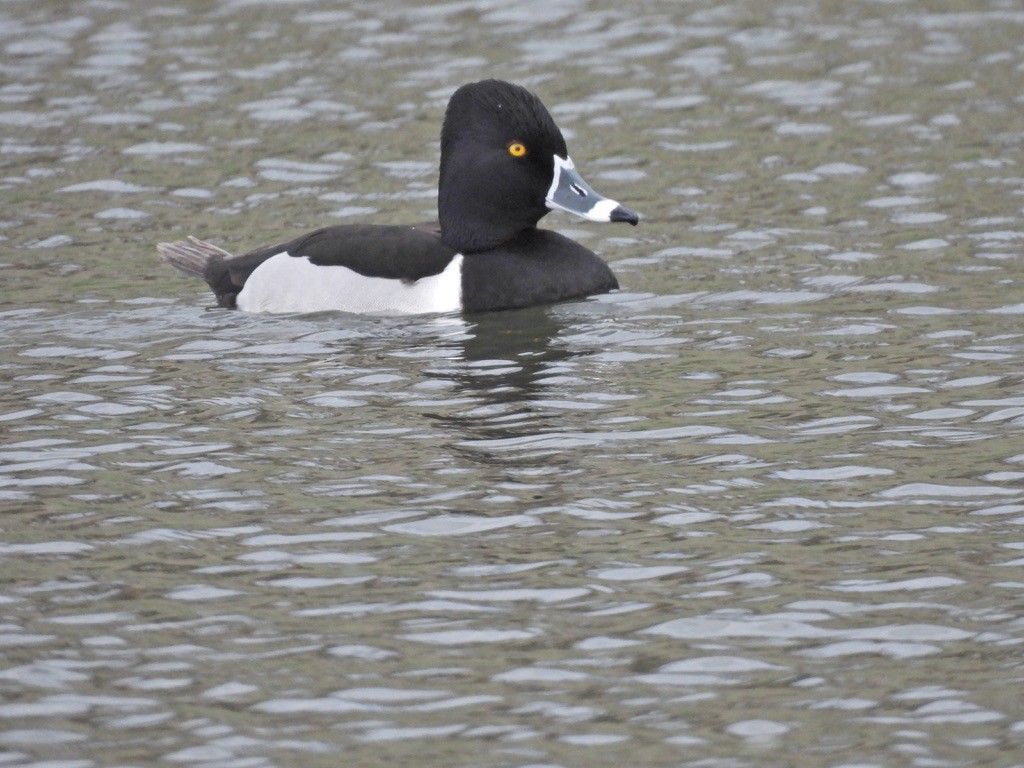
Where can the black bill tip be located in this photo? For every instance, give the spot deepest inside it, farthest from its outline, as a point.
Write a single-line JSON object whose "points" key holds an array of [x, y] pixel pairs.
{"points": [[624, 214]]}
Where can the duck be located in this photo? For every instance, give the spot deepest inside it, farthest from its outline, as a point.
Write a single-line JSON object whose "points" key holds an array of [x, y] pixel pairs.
{"points": [[504, 165]]}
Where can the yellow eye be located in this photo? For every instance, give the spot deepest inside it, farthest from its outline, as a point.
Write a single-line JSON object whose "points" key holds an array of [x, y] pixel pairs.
{"points": [[517, 149]]}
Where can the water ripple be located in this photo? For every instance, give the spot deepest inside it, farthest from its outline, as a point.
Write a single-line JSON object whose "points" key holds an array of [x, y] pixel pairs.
{"points": [[751, 505]]}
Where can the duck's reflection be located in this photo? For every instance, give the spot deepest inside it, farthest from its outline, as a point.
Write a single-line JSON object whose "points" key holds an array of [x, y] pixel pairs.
{"points": [[503, 366]]}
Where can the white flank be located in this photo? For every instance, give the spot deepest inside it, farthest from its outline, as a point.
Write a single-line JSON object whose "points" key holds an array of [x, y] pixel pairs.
{"points": [[284, 283]]}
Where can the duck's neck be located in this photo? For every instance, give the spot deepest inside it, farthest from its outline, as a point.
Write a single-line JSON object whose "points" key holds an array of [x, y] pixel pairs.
{"points": [[478, 217], [467, 232]]}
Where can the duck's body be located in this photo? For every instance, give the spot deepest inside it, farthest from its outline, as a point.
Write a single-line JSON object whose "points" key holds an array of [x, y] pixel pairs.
{"points": [[392, 270], [503, 166]]}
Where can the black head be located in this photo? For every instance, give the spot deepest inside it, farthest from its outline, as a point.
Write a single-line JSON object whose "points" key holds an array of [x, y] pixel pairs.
{"points": [[497, 148]]}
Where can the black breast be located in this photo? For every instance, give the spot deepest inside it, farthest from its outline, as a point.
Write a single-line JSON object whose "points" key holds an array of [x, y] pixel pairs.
{"points": [[538, 267]]}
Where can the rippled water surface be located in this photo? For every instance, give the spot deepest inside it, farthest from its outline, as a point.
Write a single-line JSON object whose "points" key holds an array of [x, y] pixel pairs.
{"points": [[763, 507]]}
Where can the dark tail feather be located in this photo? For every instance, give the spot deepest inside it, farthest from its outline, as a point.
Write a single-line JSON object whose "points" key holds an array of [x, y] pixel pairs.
{"points": [[192, 256]]}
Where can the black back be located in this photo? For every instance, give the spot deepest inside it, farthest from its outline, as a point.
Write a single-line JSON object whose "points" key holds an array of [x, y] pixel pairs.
{"points": [[374, 250]]}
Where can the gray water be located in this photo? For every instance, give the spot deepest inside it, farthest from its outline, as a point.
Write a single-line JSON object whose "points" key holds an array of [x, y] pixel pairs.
{"points": [[762, 507]]}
